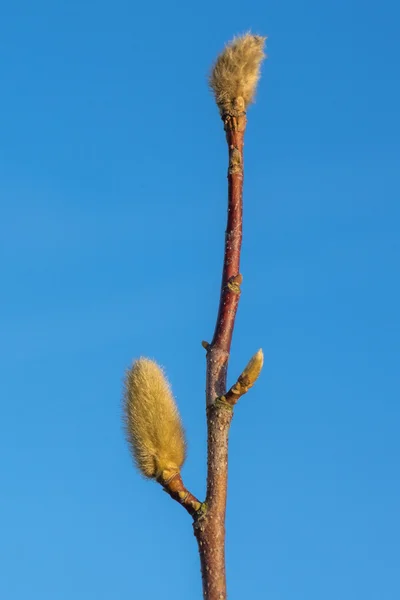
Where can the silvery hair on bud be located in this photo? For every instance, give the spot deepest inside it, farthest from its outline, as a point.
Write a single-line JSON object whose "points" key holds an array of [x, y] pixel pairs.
{"points": [[237, 70], [153, 425]]}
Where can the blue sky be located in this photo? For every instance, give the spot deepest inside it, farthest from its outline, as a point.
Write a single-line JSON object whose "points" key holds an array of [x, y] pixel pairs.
{"points": [[113, 199]]}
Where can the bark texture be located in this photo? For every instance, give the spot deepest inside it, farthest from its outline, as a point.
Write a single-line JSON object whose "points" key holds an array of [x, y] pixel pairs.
{"points": [[209, 524]]}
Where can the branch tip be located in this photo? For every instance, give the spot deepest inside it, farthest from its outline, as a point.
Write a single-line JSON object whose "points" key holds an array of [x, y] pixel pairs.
{"points": [[236, 72]]}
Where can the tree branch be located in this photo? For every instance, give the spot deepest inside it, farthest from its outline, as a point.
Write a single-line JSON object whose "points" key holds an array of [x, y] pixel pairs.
{"points": [[209, 527], [153, 425], [175, 487]]}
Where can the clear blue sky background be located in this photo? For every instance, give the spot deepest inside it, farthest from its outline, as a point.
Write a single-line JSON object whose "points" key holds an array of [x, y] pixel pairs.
{"points": [[113, 192]]}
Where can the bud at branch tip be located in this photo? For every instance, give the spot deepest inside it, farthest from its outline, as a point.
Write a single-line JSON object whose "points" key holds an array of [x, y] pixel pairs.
{"points": [[236, 72]]}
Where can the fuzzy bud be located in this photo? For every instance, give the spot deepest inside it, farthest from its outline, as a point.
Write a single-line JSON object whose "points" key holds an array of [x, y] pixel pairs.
{"points": [[153, 425], [236, 72]]}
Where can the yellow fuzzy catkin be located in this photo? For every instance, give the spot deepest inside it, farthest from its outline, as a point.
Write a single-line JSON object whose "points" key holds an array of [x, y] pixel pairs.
{"points": [[153, 425], [236, 71]]}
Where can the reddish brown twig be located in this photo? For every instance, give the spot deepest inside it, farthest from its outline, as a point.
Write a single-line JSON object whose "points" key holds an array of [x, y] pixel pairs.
{"points": [[175, 487], [209, 528], [154, 427]]}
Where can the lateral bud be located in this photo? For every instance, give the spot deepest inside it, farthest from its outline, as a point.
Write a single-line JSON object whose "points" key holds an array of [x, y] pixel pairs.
{"points": [[253, 368], [247, 379]]}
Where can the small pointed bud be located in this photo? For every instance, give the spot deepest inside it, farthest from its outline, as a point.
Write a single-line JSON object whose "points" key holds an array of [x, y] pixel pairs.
{"points": [[253, 368], [246, 380]]}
